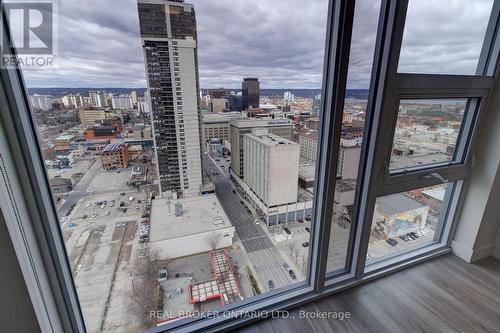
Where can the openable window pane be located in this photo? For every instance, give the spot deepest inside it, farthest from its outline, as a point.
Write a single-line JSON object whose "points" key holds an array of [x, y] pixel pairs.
{"points": [[407, 221], [183, 173], [427, 132], [444, 37]]}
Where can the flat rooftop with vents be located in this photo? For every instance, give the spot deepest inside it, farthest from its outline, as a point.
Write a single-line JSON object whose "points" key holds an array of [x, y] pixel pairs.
{"points": [[200, 225]]}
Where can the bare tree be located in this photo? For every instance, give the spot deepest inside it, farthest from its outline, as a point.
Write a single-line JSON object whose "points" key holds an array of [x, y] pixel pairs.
{"points": [[213, 240], [145, 292]]}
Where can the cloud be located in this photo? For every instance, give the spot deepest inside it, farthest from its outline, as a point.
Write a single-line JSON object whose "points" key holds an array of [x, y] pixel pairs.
{"points": [[281, 42]]}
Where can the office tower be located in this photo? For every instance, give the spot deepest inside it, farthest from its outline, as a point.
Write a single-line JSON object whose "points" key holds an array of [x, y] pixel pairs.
{"points": [[41, 102], [168, 33], [98, 98], [241, 126], [316, 104], [135, 98], [234, 101], [273, 180], [72, 100], [251, 93], [122, 102], [288, 97]]}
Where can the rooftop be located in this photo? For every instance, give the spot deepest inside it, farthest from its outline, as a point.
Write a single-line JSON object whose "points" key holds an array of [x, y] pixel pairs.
{"points": [[113, 146], [65, 137], [307, 170], [436, 193], [252, 122], [200, 214], [398, 203], [214, 117], [271, 140]]}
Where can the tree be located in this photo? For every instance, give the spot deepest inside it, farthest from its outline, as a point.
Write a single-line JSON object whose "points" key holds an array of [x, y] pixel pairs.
{"points": [[144, 294], [213, 240]]}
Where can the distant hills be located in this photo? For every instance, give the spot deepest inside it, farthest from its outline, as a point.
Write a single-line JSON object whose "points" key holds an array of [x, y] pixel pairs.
{"points": [[307, 93]]}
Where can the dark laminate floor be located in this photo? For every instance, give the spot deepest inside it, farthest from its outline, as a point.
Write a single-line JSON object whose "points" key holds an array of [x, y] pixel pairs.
{"points": [[442, 295]]}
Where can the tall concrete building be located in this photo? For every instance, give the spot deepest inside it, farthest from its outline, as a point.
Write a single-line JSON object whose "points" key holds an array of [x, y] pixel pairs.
{"points": [[250, 93], [316, 104], [288, 97], [169, 40], [271, 167], [41, 102], [99, 98], [241, 126], [122, 102]]}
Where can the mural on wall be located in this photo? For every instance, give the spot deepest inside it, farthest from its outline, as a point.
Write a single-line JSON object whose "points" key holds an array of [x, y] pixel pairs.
{"points": [[399, 223]]}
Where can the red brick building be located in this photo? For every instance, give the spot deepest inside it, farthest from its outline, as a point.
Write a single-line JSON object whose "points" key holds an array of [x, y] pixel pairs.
{"points": [[101, 133], [114, 156]]}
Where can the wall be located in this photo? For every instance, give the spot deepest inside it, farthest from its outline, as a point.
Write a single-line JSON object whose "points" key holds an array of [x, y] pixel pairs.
{"points": [[192, 244], [16, 310], [477, 234]]}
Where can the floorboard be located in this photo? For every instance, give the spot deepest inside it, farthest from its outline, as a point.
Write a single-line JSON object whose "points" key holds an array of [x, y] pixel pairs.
{"points": [[442, 295]]}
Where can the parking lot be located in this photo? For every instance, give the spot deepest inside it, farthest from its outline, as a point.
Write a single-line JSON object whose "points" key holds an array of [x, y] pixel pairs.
{"points": [[101, 240]]}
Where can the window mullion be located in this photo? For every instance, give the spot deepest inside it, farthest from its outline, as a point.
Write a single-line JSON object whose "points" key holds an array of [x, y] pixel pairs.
{"points": [[340, 22]]}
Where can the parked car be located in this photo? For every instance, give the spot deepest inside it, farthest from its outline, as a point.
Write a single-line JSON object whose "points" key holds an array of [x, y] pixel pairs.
{"points": [[122, 194], [271, 284], [286, 266], [162, 275], [305, 244], [308, 230], [392, 241], [406, 238], [292, 274], [257, 221]]}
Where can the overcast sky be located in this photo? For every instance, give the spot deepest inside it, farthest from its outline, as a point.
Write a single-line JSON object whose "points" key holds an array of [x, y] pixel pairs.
{"points": [[281, 42]]}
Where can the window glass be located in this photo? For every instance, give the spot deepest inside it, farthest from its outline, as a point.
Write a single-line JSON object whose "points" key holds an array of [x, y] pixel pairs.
{"points": [[406, 221], [427, 132], [352, 131], [444, 37], [164, 127]]}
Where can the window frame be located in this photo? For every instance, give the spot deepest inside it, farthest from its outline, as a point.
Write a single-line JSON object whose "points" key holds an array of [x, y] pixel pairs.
{"points": [[20, 130], [388, 88]]}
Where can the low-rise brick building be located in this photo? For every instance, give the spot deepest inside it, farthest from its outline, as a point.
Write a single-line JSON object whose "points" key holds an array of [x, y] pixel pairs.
{"points": [[114, 156]]}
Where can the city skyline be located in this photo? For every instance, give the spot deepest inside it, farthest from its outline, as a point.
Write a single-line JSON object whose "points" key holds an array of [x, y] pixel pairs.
{"points": [[105, 47]]}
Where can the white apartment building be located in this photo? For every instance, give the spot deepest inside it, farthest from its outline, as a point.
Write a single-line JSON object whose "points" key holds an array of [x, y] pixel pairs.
{"points": [[122, 102], [73, 101], [98, 99], [41, 102], [271, 167], [238, 127]]}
